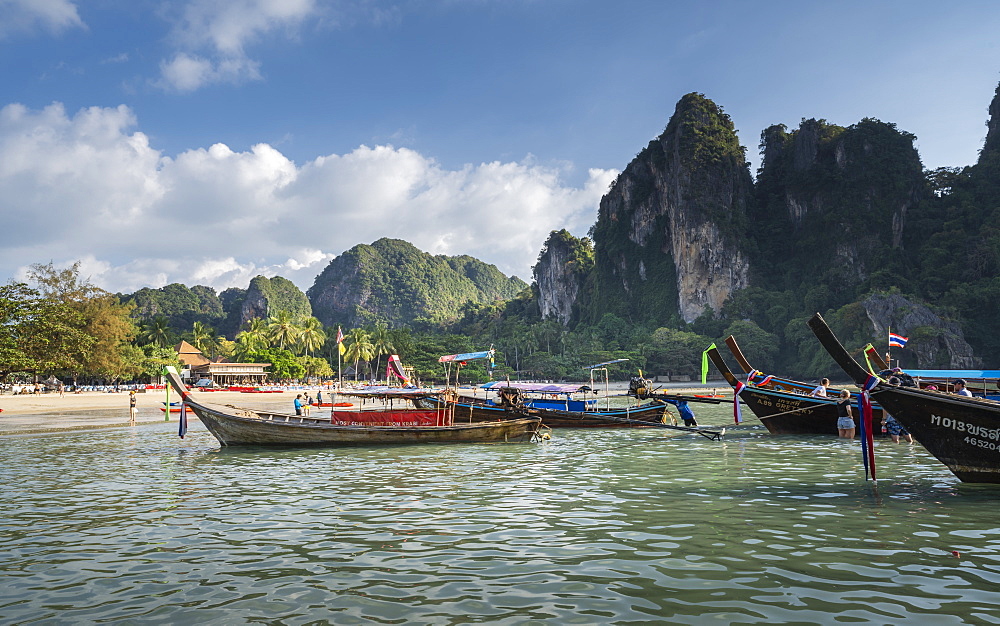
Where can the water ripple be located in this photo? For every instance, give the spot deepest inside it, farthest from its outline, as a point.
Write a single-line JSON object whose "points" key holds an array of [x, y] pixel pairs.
{"points": [[591, 527]]}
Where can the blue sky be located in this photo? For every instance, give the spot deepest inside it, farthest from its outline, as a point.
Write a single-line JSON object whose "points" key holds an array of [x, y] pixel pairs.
{"points": [[205, 142]]}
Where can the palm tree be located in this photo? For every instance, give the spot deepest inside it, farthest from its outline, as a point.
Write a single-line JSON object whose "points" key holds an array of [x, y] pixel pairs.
{"points": [[157, 331], [202, 337], [359, 348], [311, 335], [253, 337], [381, 342], [282, 328]]}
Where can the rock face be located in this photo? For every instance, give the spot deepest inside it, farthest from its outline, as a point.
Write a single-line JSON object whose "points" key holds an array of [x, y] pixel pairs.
{"points": [[562, 269], [842, 194], [671, 232], [933, 342], [265, 296], [392, 281]]}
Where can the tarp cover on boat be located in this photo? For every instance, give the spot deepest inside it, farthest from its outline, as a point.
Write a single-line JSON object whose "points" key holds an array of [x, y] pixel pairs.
{"points": [[953, 373], [382, 391], [468, 356], [538, 387]]}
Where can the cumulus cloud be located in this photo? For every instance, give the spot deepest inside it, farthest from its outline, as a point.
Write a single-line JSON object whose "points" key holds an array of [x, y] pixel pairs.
{"points": [[89, 187], [212, 38], [27, 15]]}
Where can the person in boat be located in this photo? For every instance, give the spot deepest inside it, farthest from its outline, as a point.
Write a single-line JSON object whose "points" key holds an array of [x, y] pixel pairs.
{"points": [[298, 404], [960, 388], [845, 418], [820, 391], [895, 429]]}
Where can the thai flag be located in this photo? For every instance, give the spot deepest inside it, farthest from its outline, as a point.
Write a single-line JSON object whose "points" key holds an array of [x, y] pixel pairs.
{"points": [[897, 341]]}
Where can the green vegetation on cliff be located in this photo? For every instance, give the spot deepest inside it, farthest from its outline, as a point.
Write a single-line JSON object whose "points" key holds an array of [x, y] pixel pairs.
{"points": [[392, 281]]}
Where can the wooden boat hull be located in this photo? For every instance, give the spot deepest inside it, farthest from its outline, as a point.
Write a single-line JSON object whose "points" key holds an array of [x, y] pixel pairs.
{"points": [[786, 413], [473, 412], [264, 429], [235, 427], [961, 432]]}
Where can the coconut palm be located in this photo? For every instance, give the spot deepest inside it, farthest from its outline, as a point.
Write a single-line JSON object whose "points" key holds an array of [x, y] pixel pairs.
{"points": [[252, 338], [381, 342], [359, 348], [311, 335], [156, 331], [281, 327], [202, 337]]}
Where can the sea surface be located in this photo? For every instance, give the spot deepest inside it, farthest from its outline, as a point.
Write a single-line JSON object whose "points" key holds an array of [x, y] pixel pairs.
{"points": [[618, 526]]}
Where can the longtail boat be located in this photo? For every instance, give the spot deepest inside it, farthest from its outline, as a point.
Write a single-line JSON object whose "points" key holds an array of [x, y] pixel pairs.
{"points": [[512, 404], [783, 405], [961, 432], [234, 426]]}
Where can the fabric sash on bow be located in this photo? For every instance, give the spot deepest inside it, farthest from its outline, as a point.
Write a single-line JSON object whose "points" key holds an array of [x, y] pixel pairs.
{"points": [[867, 434], [182, 427], [737, 413]]}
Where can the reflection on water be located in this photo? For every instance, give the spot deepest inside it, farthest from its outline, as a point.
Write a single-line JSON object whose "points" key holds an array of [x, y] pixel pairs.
{"points": [[591, 527]]}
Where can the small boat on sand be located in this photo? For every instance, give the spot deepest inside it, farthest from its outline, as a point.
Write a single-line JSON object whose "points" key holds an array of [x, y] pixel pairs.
{"points": [[236, 426], [960, 431]]}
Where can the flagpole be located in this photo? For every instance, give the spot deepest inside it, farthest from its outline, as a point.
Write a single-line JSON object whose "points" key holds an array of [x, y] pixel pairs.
{"points": [[888, 352]]}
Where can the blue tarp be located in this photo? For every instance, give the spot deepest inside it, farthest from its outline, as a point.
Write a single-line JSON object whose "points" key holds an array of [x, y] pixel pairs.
{"points": [[953, 374]]}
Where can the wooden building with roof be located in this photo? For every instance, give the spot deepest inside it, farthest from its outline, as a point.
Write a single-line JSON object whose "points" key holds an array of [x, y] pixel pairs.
{"points": [[219, 371]]}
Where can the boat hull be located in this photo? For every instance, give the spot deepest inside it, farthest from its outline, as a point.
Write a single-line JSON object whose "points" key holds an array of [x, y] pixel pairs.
{"points": [[265, 429], [963, 433], [791, 414], [474, 412]]}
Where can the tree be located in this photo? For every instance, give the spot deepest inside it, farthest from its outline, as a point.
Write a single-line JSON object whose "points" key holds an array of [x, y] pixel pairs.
{"points": [[284, 364], [156, 331], [253, 338], [202, 337], [281, 328], [311, 335], [381, 343], [39, 334], [359, 348], [315, 366]]}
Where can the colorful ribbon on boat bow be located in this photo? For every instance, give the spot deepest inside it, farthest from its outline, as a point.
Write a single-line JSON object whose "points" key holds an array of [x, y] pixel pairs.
{"points": [[182, 427], [867, 435], [737, 413]]}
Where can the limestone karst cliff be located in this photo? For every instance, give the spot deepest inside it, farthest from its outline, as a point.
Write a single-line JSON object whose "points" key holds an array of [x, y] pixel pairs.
{"points": [[266, 296], [670, 237], [562, 270]]}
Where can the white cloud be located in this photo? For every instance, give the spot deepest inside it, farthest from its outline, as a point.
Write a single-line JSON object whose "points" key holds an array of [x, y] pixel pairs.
{"points": [[212, 38], [90, 187], [27, 15]]}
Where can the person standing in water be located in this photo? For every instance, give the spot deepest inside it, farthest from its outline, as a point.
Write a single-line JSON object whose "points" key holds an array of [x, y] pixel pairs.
{"points": [[845, 416], [133, 411]]}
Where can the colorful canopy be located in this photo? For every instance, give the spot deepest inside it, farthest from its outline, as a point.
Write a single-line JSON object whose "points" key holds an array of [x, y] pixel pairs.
{"points": [[468, 356], [390, 392], [538, 387]]}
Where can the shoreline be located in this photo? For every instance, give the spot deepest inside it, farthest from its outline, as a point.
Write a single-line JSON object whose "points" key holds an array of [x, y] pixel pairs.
{"points": [[50, 413]]}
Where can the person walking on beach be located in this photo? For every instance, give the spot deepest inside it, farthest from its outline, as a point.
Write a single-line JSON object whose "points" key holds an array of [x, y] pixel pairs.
{"points": [[845, 419], [62, 389], [298, 404], [133, 412], [307, 406], [820, 391]]}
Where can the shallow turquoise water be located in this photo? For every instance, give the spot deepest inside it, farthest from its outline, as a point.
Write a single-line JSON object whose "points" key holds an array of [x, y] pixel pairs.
{"points": [[613, 526]]}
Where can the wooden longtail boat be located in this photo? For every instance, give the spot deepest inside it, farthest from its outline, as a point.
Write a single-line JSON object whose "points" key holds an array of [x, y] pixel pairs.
{"points": [[961, 432], [648, 416], [784, 406], [233, 426]]}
